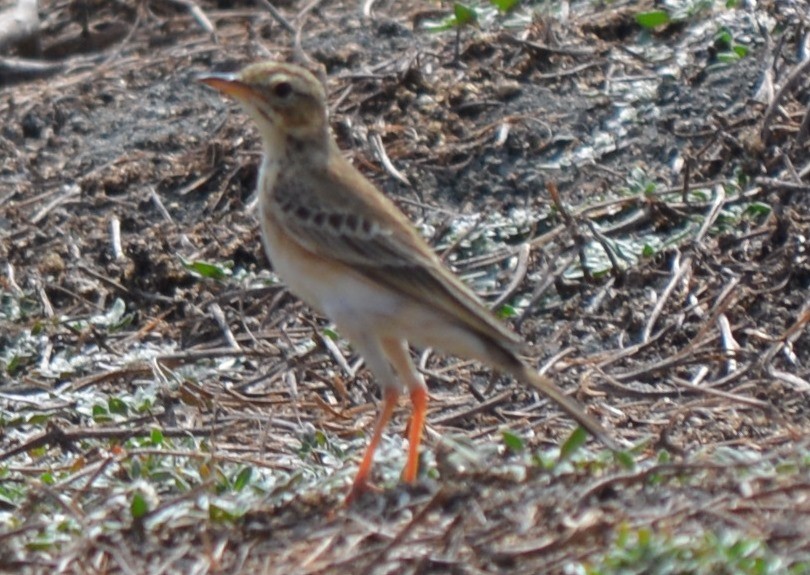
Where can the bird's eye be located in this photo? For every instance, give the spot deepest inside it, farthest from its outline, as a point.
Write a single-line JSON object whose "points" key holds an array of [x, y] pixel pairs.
{"points": [[282, 89]]}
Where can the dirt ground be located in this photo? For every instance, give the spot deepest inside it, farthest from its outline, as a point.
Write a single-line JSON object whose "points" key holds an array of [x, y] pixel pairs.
{"points": [[167, 407]]}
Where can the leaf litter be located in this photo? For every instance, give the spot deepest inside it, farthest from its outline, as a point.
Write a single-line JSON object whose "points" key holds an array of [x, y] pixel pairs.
{"points": [[166, 406]]}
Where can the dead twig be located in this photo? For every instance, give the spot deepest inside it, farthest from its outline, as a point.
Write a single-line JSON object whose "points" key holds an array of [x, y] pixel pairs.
{"points": [[540, 289], [782, 185], [789, 335], [608, 248], [546, 49], [798, 75], [65, 196], [300, 55], [278, 16], [377, 145], [443, 254], [579, 239], [679, 271], [161, 207], [222, 322], [418, 518], [804, 129], [801, 385], [115, 238], [520, 273], [199, 15], [730, 345], [67, 436], [13, 70], [714, 212]]}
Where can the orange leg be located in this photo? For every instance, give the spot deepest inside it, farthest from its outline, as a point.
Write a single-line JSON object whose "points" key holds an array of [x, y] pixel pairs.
{"points": [[360, 484], [397, 352], [419, 398]]}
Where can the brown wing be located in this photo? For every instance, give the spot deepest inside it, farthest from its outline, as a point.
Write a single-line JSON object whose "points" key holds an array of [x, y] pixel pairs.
{"points": [[358, 226]]}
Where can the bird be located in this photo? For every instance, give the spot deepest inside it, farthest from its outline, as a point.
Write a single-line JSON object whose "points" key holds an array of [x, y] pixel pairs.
{"points": [[347, 250]]}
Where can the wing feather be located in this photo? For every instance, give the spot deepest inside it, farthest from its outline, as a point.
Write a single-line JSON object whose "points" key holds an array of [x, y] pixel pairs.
{"points": [[358, 226]]}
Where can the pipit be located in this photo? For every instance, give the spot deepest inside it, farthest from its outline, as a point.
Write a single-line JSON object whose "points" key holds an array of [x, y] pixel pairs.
{"points": [[346, 250]]}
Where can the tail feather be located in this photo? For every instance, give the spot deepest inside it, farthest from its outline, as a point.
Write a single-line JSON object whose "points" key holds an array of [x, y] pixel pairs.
{"points": [[569, 405], [504, 354]]}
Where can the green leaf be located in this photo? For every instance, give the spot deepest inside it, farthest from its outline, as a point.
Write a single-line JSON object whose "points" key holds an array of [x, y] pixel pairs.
{"points": [[723, 39], [758, 209], [740, 50], [652, 19], [38, 451], [41, 544], [135, 469], [504, 5], [37, 328], [156, 437], [117, 405], [138, 507], [331, 334], [512, 441], [38, 419], [625, 459], [506, 311], [207, 270], [701, 195], [464, 14], [14, 364], [647, 251], [728, 57], [220, 514], [576, 440], [644, 537], [243, 478]]}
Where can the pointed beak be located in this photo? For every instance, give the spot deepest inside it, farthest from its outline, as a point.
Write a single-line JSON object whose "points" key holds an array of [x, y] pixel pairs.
{"points": [[229, 84]]}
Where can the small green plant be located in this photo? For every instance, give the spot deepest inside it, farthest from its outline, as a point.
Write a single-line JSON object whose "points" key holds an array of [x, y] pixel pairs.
{"points": [[504, 5], [512, 441], [113, 319], [506, 311], [208, 270], [471, 15], [639, 183], [728, 51], [138, 506], [653, 19], [642, 550], [675, 12], [331, 334], [576, 440], [463, 15]]}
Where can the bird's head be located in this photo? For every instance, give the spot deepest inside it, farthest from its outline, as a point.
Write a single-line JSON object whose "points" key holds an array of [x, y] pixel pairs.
{"points": [[283, 99]]}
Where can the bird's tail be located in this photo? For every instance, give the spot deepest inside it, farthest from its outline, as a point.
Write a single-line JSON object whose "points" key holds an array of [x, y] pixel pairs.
{"points": [[569, 405], [503, 353]]}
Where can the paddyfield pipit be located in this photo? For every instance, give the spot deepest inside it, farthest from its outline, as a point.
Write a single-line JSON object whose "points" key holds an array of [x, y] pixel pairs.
{"points": [[346, 250]]}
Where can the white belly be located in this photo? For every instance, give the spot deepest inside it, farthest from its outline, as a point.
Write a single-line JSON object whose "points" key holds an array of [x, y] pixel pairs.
{"points": [[358, 305]]}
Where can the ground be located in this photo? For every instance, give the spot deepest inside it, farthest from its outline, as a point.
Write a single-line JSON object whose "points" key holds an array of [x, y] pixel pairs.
{"points": [[633, 200]]}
